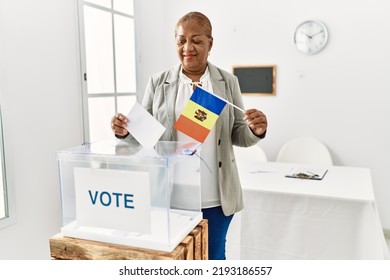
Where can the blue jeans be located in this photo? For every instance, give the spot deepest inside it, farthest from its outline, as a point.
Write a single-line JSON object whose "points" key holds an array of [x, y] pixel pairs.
{"points": [[218, 226]]}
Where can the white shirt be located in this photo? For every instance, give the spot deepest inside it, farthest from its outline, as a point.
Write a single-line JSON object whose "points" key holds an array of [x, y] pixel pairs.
{"points": [[208, 164]]}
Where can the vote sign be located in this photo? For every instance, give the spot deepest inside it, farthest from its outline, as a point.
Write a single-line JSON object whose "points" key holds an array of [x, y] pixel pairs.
{"points": [[113, 199]]}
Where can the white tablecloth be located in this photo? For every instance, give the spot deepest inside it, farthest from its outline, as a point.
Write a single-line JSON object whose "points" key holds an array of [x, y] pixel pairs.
{"points": [[286, 218]]}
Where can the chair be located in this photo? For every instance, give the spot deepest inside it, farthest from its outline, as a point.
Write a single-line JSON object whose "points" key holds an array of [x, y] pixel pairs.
{"points": [[250, 154], [305, 151]]}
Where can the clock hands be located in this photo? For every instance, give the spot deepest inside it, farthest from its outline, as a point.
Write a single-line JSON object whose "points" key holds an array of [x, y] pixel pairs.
{"points": [[317, 33], [310, 37]]}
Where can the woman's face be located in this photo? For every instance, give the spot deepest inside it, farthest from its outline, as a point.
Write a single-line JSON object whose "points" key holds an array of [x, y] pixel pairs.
{"points": [[193, 47]]}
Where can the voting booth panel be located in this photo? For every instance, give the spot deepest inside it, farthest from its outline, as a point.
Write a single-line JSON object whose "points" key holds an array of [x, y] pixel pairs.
{"points": [[121, 193]]}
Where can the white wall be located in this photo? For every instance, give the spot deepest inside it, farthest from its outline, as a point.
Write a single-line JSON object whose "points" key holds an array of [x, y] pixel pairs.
{"points": [[41, 102], [340, 95]]}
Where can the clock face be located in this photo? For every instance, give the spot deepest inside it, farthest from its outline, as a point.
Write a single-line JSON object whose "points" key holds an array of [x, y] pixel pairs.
{"points": [[310, 37]]}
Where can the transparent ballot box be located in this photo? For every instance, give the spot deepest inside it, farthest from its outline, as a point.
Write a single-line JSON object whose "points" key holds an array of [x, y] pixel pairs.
{"points": [[120, 193]]}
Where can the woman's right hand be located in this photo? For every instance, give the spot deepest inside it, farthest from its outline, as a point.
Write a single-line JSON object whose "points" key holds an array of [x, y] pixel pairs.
{"points": [[119, 124]]}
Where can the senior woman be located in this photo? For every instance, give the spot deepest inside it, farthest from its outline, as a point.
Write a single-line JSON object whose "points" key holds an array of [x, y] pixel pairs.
{"points": [[165, 97]]}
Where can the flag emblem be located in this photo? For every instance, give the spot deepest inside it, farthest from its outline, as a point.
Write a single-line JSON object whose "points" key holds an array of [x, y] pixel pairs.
{"points": [[200, 114]]}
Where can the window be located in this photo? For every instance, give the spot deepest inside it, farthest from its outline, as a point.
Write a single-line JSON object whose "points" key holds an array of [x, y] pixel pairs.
{"points": [[108, 63], [7, 197], [3, 183]]}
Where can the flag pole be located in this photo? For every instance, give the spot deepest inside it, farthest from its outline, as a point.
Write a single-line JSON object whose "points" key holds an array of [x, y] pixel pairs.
{"points": [[238, 108]]}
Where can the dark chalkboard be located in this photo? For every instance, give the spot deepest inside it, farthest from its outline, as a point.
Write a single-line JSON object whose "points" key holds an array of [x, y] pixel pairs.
{"points": [[256, 79]]}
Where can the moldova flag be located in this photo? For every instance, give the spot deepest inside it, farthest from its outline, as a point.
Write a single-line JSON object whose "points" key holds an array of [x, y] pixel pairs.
{"points": [[200, 114]]}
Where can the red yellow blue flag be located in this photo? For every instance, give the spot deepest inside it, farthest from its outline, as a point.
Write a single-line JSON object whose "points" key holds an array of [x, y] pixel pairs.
{"points": [[200, 114]]}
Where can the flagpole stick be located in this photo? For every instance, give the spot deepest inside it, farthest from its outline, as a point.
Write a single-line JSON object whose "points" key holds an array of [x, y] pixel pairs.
{"points": [[238, 108]]}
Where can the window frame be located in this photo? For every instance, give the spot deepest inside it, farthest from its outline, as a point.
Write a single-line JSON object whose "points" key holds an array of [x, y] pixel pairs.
{"points": [[5, 154], [83, 65], [9, 195]]}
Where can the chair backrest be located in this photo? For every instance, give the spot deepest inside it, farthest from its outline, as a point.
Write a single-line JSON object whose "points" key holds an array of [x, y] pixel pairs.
{"points": [[250, 154], [305, 151]]}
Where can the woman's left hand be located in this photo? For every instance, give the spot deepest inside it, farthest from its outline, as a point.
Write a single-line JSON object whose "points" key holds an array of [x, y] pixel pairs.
{"points": [[256, 120]]}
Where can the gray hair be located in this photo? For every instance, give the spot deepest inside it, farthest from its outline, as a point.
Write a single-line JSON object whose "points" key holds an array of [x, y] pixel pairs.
{"points": [[199, 18]]}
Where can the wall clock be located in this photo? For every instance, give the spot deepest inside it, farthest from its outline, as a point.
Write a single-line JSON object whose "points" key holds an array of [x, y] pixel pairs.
{"points": [[311, 36]]}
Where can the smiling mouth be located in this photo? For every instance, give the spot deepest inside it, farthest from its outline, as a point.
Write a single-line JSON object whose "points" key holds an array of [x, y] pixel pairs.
{"points": [[188, 56]]}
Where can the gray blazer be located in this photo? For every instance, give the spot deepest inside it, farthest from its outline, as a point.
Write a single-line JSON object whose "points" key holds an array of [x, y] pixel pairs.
{"points": [[231, 129]]}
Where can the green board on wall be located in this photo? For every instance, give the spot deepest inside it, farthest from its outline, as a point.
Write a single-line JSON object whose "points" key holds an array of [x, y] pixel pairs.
{"points": [[256, 80]]}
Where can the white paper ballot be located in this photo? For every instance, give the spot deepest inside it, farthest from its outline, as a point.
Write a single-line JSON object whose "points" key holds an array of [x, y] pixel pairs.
{"points": [[144, 127], [148, 152]]}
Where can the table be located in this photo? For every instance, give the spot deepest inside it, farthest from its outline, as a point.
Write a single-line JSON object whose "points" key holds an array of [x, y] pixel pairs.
{"points": [[193, 247], [287, 218]]}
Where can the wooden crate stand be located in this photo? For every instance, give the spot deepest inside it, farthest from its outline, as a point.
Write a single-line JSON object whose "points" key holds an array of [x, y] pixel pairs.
{"points": [[193, 247]]}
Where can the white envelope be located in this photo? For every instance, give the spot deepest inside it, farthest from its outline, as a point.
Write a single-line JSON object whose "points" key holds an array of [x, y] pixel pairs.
{"points": [[144, 127]]}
